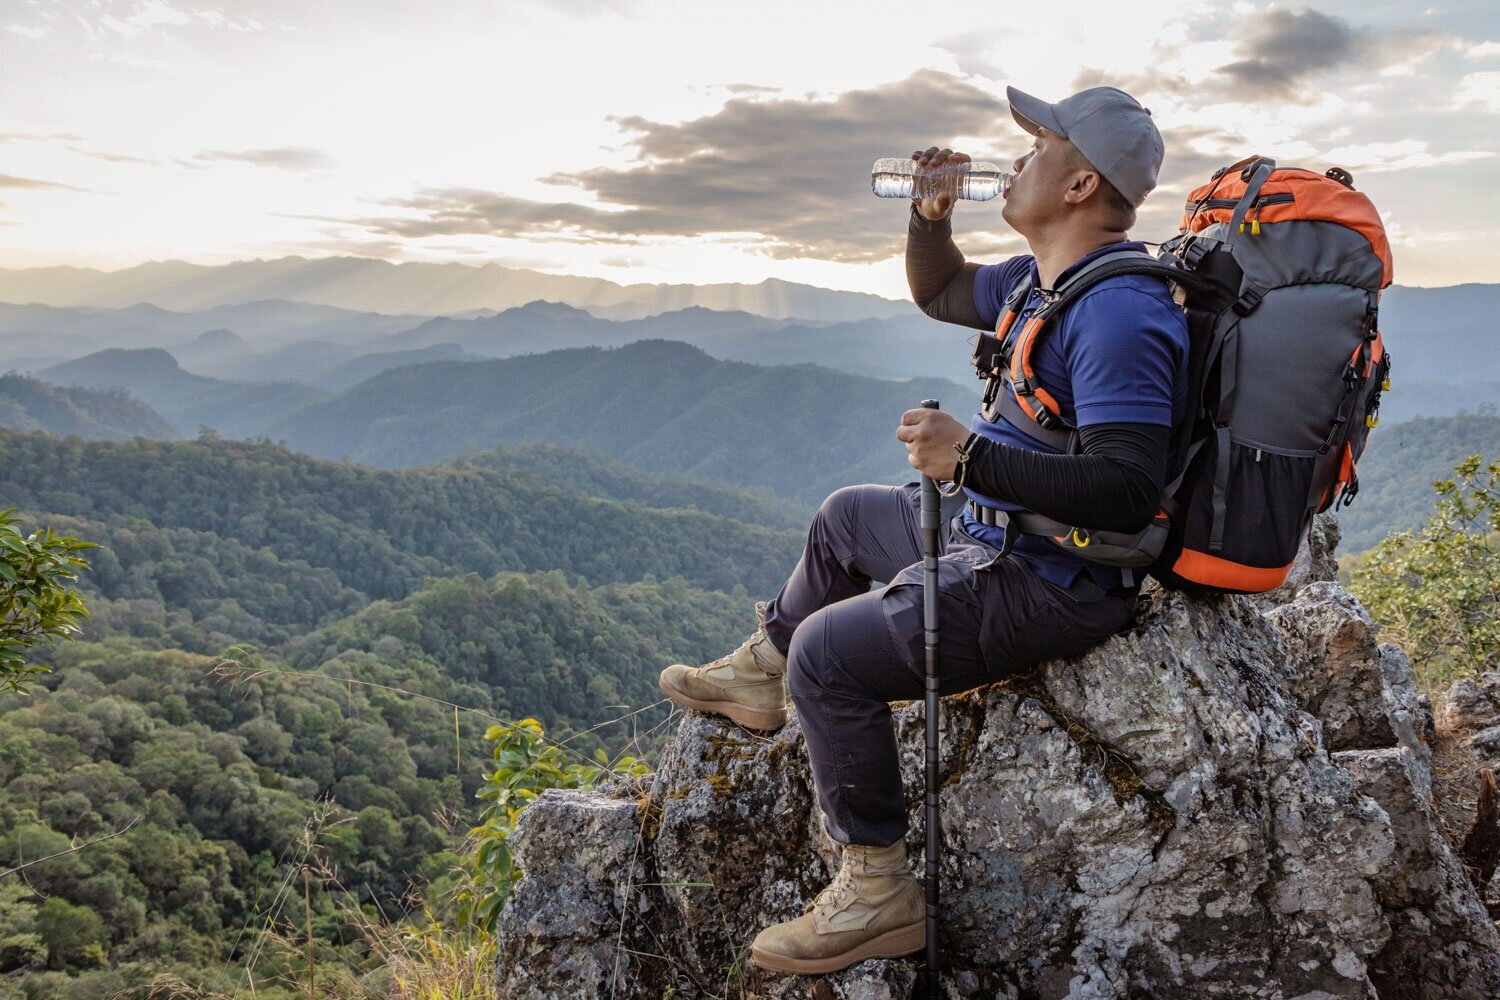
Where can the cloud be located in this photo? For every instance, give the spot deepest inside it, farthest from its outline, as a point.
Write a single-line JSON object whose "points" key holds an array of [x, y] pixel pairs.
{"points": [[749, 88], [1287, 46], [1285, 49], [1404, 154], [972, 50], [138, 17], [32, 32], [786, 178], [1481, 89], [1482, 50], [591, 8], [114, 157], [31, 184], [39, 137], [1280, 53], [282, 158]]}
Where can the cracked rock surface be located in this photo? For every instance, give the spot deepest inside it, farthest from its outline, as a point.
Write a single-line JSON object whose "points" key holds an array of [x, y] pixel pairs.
{"points": [[1220, 803]]}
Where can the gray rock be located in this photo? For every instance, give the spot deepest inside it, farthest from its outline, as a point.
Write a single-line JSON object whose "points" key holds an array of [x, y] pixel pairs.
{"points": [[1410, 714], [1153, 819], [1334, 668], [1442, 945], [1486, 742], [865, 981], [1470, 704]]}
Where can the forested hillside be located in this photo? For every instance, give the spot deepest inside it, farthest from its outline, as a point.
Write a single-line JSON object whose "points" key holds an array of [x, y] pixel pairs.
{"points": [[799, 431], [30, 404], [284, 648], [1398, 469], [265, 543], [223, 775], [590, 474]]}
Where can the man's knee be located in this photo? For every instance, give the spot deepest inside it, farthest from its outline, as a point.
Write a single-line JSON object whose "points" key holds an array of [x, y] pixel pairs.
{"points": [[806, 658], [836, 513]]}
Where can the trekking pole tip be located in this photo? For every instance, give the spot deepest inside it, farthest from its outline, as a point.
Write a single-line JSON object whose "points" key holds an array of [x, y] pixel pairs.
{"points": [[931, 404]]}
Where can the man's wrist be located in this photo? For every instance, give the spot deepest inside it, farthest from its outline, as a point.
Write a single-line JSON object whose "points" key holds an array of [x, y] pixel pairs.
{"points": [[921, 224]]}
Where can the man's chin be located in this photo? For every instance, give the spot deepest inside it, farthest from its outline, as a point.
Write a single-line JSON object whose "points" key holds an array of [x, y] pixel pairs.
{"points": [[1010, 217]]}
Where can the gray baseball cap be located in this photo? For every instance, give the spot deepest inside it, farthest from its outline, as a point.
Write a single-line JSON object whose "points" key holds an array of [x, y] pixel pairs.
{"points": [[1108, 126]]}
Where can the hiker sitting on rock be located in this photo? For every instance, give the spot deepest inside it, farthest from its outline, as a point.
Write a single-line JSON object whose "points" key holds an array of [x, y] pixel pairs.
{"points": [[1114, 363]]}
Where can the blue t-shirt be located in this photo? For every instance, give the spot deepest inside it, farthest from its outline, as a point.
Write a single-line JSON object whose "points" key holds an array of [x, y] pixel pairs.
{"points": [[1116, 355]]}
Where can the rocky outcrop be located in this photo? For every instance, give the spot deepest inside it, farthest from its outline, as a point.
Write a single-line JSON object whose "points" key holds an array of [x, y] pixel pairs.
{"points": [[1363, 693], [1221, 803], [1469, 727], [1439, 926], [1472, 707]]}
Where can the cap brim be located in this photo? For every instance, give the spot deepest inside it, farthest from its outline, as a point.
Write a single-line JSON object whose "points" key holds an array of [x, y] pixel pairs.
{"points": [[1032, 114]]}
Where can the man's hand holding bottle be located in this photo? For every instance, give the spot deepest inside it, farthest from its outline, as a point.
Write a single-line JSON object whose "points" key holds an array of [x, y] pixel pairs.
{"points": [[939, 204]]}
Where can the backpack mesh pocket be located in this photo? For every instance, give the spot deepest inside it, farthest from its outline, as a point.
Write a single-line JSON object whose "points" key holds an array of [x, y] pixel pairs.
{"points": [[1265, 507]]}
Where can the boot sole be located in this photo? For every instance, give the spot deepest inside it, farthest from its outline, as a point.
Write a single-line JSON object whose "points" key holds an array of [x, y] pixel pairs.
{"points": [[752, 718], [892, 944]]}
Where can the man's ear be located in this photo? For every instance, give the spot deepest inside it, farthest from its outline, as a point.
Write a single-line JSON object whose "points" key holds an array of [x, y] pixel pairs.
{"points": [[1084, 184]]}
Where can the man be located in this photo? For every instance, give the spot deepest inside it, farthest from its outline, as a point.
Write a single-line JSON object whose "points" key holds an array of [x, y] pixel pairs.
{"points": [[1116, 362]]}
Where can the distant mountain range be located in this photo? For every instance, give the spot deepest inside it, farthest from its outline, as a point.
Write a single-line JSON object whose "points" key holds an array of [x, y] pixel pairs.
{"points": [[285, 342], [1446, 350], [365, 284], [187, 401], [664, 407], [660, 406], [676, 420]]}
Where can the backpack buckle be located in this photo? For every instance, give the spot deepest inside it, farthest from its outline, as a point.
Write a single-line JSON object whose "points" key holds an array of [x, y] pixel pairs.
{"points": [[989, 353], [1194, 252], [1246, 303], [1047, 420], [1351, 490], [1023, 386]]}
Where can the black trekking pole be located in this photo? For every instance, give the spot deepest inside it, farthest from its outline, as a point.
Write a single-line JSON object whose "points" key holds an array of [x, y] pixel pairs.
{"points": [[930, 517]]}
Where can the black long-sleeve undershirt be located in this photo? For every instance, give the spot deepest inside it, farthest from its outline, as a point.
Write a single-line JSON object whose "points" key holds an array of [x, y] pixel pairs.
{"points": [[1113, 484], [942, 282]]}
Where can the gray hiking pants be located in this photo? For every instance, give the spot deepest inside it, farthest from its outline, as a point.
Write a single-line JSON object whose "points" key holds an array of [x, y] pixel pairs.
{"points": [[851, 651]]}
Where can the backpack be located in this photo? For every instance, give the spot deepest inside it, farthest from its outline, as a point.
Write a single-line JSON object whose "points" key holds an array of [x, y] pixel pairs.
{"points": [[1280, 272]]}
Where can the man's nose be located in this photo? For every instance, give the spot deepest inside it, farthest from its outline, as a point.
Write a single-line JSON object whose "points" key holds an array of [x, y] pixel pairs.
{"points": [[1020, 162]]}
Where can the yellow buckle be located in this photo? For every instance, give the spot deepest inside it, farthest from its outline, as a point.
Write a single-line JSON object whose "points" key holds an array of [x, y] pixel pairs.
{"points": [[1372, 419], [1081, 538]]}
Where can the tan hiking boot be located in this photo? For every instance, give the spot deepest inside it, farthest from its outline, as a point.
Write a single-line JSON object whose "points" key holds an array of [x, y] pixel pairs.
{"points": [[874, 908], [746, 685]]}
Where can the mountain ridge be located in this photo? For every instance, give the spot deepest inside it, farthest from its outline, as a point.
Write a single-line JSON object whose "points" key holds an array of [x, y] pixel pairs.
{"points": [[364, 283]]}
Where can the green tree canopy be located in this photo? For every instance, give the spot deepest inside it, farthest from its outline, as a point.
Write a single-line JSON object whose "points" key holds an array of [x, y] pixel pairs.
{"points": [[36, 599], [1437, 592]]}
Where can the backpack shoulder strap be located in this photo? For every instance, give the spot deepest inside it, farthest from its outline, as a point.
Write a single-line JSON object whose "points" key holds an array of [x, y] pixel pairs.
{"points": [[1034, 401], [1013, 304]]}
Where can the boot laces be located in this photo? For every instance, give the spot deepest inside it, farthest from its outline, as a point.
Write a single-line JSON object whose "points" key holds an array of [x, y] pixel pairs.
{"points": [[838, 894], [746, 645]]}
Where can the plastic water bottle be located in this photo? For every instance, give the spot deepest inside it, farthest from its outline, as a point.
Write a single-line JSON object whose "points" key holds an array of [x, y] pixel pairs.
{"points": [[897, 177]]}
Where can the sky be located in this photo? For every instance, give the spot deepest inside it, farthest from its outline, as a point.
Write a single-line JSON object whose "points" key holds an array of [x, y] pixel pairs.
{"points": [[697, 142]]}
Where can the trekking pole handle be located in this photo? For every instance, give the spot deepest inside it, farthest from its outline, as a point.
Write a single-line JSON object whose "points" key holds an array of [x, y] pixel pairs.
{"points": [[930, 500]]}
